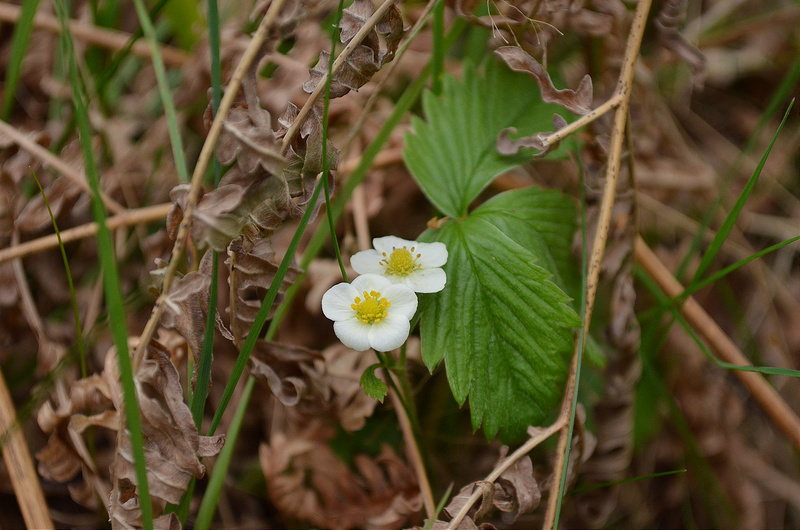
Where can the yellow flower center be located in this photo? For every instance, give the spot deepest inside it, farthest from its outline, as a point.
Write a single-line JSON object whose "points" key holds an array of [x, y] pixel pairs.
{"points": [[372, 308], [401, 261]]}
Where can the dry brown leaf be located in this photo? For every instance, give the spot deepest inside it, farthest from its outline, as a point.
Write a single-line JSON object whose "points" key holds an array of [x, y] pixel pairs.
{"points": [[578, 101], [516, 491], [16, 163], [368, 57], [342, 372], [671, 15], [62, 194], [306, 481], [251, 275], [247, 135], [186, 308], [172, 444], [508, 146], [284, 369]]}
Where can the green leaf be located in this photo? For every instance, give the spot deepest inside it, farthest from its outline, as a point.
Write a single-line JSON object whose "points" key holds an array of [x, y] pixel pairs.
{"points": [[373, 387], [453, 155], [501, 324], [19, 45], [542, 221]]}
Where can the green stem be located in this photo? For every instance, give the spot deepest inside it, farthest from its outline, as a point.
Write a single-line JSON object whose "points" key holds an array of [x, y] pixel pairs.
{"points": [[211, 497]]}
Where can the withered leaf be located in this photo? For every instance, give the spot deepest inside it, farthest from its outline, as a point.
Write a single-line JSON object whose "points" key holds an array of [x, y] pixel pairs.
{"points": [[368, 57], [578, 101], [214, 223], [306, 481], [508, 146], [251, 274], [516, 491], [670, 16], [281, 367], [62, 194], [357, 70], [187, 308], [247, 134], [172, 444]]}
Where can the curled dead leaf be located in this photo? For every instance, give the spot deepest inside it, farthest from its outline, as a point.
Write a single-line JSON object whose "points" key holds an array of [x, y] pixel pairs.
{"points": [[307, 481], [508, 146], [578, 101], [251, 274], [172, 444], [284, 369], [62, 194], [186, 308], [368, 57], [247, 136]]}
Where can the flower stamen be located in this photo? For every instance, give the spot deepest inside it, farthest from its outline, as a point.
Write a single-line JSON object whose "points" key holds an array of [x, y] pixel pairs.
{"points": [[372, 309], [401, 262]]}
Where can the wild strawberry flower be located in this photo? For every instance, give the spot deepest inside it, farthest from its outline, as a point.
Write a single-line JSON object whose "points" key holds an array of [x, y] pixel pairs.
{"points": [[371, 312], [410, 263]]}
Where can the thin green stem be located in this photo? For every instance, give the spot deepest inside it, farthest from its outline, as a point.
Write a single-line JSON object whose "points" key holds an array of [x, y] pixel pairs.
{"points": [[208, 505], [164, 91], [19, 45], [75, 311]]}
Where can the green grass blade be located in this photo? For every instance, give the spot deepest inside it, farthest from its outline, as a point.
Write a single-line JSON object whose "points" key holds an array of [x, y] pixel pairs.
{"points": [[785, 90], [657, 311], [581, 344], [656, 291], [163, 89], [730, 220], [209, 503], [591, 487], [19, 45], [111, 281], [75, 311], [439, 507]]}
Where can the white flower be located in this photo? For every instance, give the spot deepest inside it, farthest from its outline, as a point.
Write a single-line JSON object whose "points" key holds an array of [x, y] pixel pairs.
{"points": [[414, 264], [371, 312]]}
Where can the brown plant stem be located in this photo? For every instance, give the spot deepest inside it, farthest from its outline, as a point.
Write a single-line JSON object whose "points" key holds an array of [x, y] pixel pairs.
{"points": [[49, 159], [537, 437], [20, 466], [320, 89], [127, 218], [775, 407], [250, 54], [108, 38], [623, 93]]}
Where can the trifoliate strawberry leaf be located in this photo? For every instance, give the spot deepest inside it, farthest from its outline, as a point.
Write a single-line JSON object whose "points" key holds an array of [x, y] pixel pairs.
{"points": [[501, 325], [453, 154], [373, 387]]}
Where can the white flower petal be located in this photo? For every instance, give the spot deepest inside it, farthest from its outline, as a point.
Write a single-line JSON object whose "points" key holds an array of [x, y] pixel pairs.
{"points": [[353, 334], [403, 299], [367, 262], [432, 254], [370, 282], [337, 300], [385, 244], [427, 280], [389, 333]]}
